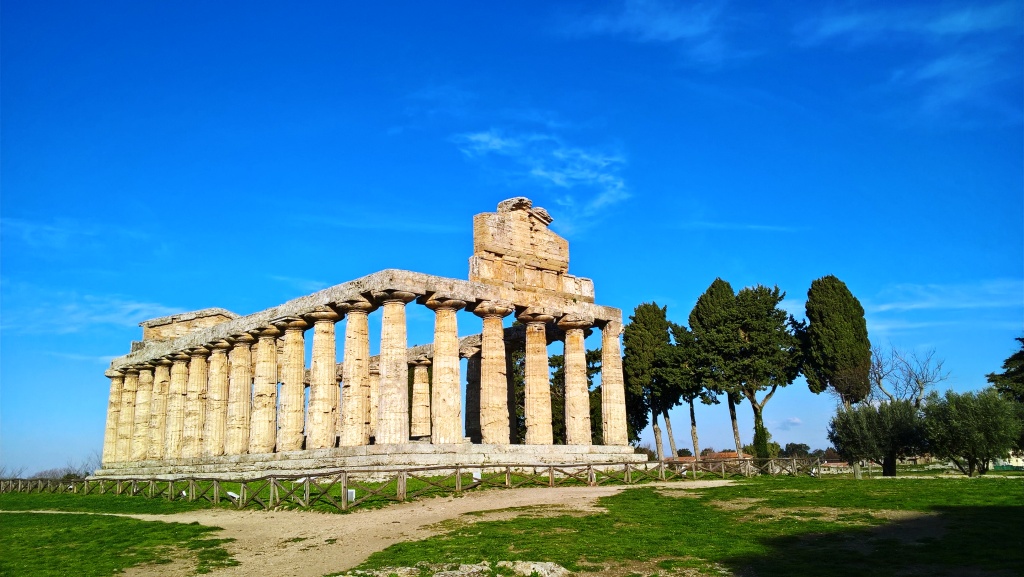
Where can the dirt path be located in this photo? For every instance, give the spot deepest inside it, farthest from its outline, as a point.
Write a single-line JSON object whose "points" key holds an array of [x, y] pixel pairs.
{"points": [[311, 544]]}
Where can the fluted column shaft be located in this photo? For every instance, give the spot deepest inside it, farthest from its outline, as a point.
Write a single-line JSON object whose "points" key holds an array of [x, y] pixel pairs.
{"points": [[158, 409], [113, 411], [577, 394], [538, 381], [373, 398], [140, 428], [323, 382], [355, 381], [126, 416], [473, 366], [195, 403], [176, 407], [494, 416], [393, 400], [292, 409], [613, 389], [263, 423], [446, 396], [420, 424], [236, 440], [216, 401]]}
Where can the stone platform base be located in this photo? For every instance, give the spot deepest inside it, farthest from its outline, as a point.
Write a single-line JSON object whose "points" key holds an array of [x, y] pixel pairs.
{"points": [[370, 459]]}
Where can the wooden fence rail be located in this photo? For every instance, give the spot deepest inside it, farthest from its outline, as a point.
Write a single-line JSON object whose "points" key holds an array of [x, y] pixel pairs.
{"points": [[342, 490]]}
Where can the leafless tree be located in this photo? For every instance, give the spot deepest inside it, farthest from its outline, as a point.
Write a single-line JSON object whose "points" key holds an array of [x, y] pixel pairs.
{"points": [[897, 375], [10, 472]]}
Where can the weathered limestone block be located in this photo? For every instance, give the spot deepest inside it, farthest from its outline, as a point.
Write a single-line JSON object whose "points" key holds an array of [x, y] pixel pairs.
{"points": [[215, 427], [126, 416], [291, 411], [538, 380], [445, 410], [613, 392], [158, 409], [323, 383], [140, 429], [263, 421], [520, 232], [494, 421], [420, 424], [113, 411], [355, 381], [195, 403], [577, 396], [473, 369], [393, 400], [170, 327], [239, 395], [176, 396]]}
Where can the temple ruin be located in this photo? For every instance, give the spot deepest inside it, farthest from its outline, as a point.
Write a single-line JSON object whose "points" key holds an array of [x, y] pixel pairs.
{"points": [[216, 394]]}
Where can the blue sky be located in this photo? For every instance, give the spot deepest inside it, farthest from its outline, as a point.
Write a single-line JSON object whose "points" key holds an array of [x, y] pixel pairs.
{"points": [[159, 158]]}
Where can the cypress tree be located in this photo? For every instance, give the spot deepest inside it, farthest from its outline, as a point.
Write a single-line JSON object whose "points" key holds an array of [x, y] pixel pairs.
{"points": [[837, 352]]}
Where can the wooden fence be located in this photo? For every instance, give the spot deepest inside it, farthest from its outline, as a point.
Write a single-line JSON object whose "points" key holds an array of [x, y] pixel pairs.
{"points": [[345, 489]]}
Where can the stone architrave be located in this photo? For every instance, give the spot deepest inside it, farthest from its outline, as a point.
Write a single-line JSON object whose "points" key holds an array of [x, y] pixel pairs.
{"points": [[195, 403], [143, 400], [494, 416], [323, 381], [263, 420], [113, 411], [577, 393], [215, 427], [236, 440], [538, 379], [446, 398], [126, 416], [393, 399], [419, 425], [158, 409], [292, 401], [473, 366], [355, 382], [613, 391], [176, 395], [373, 397]]}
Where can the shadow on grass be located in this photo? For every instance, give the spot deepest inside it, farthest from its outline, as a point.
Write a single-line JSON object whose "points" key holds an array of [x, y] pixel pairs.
{"points": [[961, 540]]}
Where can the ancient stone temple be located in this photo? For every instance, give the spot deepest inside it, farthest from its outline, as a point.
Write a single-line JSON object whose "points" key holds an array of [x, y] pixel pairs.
{"points": [[216, 394]]}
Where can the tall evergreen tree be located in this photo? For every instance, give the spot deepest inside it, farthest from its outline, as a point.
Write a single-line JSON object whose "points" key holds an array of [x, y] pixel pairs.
{"points": [[769, 352], [837, 352], [1010, 382], [644, 338], [716, 346], [677, 369]]}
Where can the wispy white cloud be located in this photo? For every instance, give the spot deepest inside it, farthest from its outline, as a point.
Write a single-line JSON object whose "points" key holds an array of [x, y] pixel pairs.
{"points": [[96, 359], [788, 424], [302, 284], [586, 180], [30, 309], [60, 233], [982, 295]]}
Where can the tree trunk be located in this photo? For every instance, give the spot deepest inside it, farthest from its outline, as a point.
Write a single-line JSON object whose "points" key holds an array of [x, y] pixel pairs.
{"points": [[856, 464], [889, 465], [760, 433], [671, 437], [693, 432], [657, 436], [735, 426]]}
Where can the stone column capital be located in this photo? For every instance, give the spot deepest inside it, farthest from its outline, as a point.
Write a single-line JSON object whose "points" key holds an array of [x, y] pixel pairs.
{"points": [[164, 361], [244, 338], [198, 352], [390, 296], [322, 314], [179, 357], [485, 309], [441, 302], [535, 315], [113, 374], [131, 371], [268, 332], [147, 366], [287, 324], [219, 347], [357, 305], [420, 362], [575, 321]]}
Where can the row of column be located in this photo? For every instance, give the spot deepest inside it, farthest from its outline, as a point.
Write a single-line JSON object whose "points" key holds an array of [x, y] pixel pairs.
{"points": [[218, 399]]}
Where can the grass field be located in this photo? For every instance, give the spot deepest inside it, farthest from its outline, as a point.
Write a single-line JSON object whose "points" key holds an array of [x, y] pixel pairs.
{"points": [[764, 527]]}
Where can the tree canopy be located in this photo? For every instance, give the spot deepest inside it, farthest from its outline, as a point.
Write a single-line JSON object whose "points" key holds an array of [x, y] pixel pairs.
{"points": [[1010, 382], [644, 339], [971, 429], [883, 433], [836, 349]]}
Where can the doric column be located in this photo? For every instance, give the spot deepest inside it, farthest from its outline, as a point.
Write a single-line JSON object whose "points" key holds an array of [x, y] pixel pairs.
{"points": [[195, 403], [263, 424], [473, 397], [373, 397], [445, 394], [113, 410], [577, 392], [292, 402], [216, 423], [494, 421], [140, 429], [236, 440], [613, 390], [355, 382], [176, 396], [393, 400], [419, 426], [323, 381], [126, 417], [538, 379], [158, 409]]}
